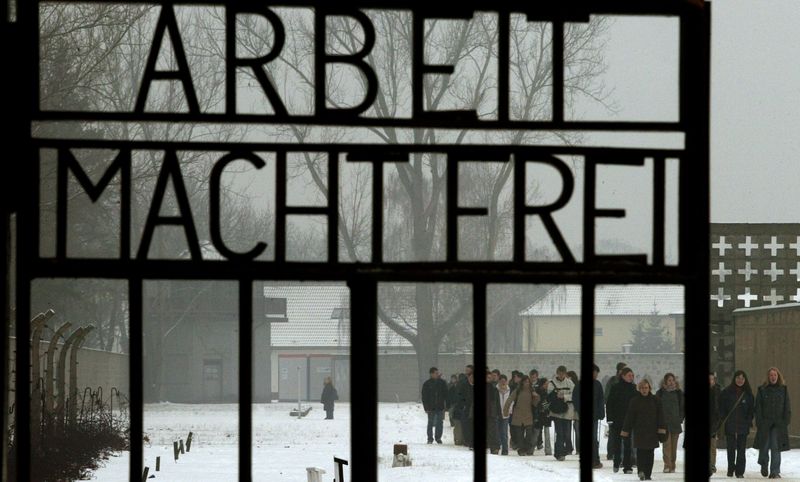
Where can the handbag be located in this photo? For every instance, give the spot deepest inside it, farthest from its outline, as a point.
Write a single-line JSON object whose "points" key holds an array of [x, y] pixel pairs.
{"points": [[556, 405]]}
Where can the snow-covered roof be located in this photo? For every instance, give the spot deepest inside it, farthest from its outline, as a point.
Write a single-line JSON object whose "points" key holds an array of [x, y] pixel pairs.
{"points": [[768, 307], [611, 300], [313, 311]]}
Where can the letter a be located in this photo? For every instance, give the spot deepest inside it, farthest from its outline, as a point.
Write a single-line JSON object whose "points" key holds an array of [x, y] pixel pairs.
{"points": [[167, 21]]}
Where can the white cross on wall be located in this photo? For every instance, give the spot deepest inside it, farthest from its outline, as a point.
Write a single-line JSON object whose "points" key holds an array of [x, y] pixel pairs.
{"points": [[721, 272], [773, 298], [796, 246], [796, 271], [773, 272], [721, 297], [748, 245], [722, 246], [796, 297], [747, 297], [748, 271], [773, 247]]}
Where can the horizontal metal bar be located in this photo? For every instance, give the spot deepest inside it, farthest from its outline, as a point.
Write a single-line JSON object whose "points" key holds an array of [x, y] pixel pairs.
{"points": [[463, 151], [454, 121], [562, 9], [496, 272]]}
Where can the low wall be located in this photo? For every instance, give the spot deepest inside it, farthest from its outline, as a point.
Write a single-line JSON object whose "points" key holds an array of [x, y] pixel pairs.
{"points": [[96, 368]]}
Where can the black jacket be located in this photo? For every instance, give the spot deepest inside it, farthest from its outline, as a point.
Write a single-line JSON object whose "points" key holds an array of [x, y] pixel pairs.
{"points": [[329, 395], [465, 397], [674, 411], [598, 400], [434, 394], [741, 418], [773, 409], [452, 395], [619, 399], [645, 419]]}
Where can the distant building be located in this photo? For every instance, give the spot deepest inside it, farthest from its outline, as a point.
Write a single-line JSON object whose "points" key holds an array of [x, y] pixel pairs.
{"points": [[553, 323], [301, 334], [752, 265]]}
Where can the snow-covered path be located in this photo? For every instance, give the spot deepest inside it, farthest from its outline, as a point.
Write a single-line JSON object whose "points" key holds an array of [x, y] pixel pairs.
{"points": [[283, 447]]}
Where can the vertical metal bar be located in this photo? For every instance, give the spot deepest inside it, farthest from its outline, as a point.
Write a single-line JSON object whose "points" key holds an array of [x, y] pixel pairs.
{"points": [[5, 293], [62, 213], [659, 201], [479, 351], [558, 71], [693, 212], [377, 212], [519, 208], [333, 207], [22, 410], [503, 47], [587, 384], [136, 334], [280, 206], [26, 106], [589, 210], [125, 205], [245, 379], [364, 354], [452, 212]]}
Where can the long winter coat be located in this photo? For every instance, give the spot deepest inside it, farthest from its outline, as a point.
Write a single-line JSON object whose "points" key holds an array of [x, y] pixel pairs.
{"points": [[741, 418], [564, 386], [329, 395], [525, 407], [672, 404], [618, 401], [452, 395], [645, 420], [434, 394], [773, 409]]}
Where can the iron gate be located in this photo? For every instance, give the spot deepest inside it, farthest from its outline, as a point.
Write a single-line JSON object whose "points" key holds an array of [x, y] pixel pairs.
{"points": [[22, 182]]}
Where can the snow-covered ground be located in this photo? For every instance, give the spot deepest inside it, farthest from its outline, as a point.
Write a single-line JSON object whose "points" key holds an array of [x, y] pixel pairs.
{"points": [[283, 447]]}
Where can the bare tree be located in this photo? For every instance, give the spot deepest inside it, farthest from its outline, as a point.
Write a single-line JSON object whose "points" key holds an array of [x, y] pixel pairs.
{"points": [[415, 191]]}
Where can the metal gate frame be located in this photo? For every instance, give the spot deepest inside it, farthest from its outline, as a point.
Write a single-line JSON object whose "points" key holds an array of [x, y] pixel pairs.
{"points": [[21, 194]]}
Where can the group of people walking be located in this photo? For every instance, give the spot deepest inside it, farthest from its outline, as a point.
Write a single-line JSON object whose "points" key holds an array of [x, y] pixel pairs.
{"points": [[733, 411], [640, 417]]}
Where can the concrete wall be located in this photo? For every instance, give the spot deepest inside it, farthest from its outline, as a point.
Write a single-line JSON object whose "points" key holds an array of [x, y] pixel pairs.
{"points": [[96, 368], [538, 332]]}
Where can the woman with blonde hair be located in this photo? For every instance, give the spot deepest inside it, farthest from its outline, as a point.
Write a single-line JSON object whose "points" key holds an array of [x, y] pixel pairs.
{"points": [[645, 421], [773, 415], [671, 398]]}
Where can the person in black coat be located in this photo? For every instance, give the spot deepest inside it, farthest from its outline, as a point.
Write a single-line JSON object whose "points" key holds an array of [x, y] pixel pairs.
{"points": [[598, 412], [773, 414], [494, 412], [736, 409], [434, 400], [645, 421], [616, 408], [329, 395], [466, 396], [713, 417]]}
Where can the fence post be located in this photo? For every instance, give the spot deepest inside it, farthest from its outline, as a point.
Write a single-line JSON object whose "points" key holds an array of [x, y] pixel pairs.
{"points": [[175, 451], [73, 373], [189, 442], [158, 463], [144, 473], [180, 447]]}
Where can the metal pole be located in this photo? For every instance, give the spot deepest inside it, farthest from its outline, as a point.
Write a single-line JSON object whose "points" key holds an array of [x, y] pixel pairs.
{"points": [[298, 393]]}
